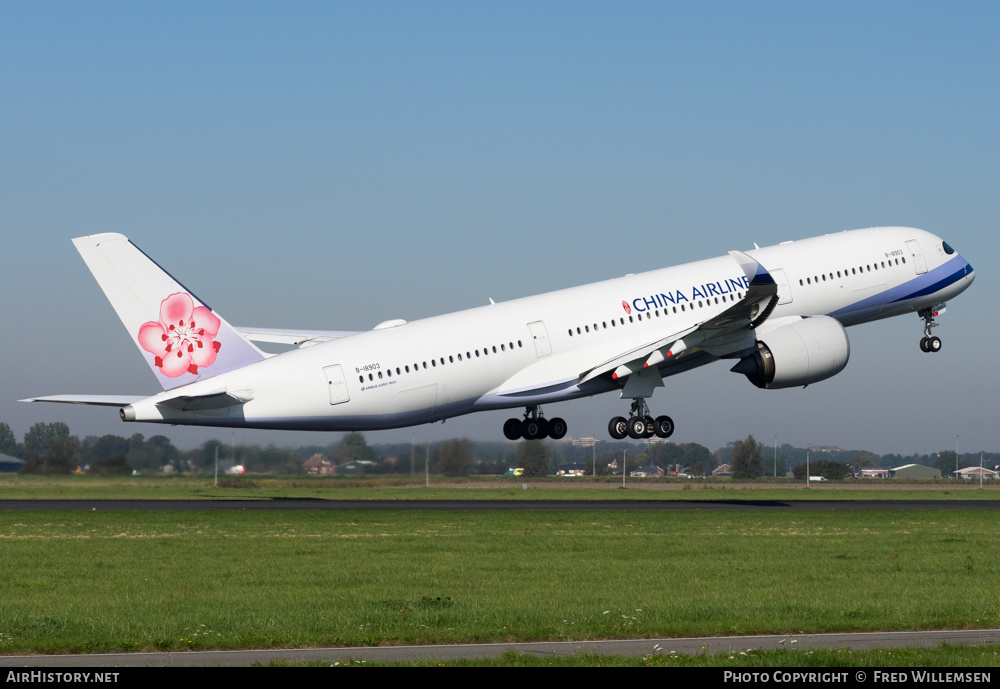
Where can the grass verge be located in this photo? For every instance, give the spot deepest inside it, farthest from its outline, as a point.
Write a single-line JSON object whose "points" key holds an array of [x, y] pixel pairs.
{"points": [[202, 487], [106, 581]]}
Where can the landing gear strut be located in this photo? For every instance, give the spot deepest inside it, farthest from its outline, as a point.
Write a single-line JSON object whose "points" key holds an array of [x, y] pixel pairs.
{"points": [[640, 424], [534, 426], [929, 343]]}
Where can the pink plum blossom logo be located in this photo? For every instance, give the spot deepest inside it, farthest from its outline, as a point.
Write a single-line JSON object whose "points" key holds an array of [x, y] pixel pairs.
{"points": [[183, 339]]}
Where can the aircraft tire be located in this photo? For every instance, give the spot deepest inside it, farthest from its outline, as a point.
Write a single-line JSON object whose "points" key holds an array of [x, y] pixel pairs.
{"points": [[512, 429], [618, 428], [557, 428], [923, 344], [535, 429], [650, 428], [637, 427], [663, 426], [934, 344]]}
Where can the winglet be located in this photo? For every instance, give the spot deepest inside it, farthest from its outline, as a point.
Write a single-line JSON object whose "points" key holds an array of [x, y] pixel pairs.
{"points": [[755, 272]]}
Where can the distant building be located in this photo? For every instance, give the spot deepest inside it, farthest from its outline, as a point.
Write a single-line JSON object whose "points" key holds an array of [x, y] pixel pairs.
{"points": [[914, 471], [974, 472], [584, 442], [9, 464], [318, 464], [724, 470], [572, 470], [646, 471], [873, 473], [826, 448], [359, 466]]}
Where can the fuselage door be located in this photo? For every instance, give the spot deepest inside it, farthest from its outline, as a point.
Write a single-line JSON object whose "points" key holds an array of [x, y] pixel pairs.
{"points": [[541, 336], [337, 384], [784, 291], [918, 256]]}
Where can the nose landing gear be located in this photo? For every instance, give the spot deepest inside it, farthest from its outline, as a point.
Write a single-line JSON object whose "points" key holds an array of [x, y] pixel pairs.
{"points": [[927, 342]]}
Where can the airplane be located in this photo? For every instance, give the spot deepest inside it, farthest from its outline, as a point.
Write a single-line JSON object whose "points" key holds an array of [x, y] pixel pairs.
{"points": [[778, 313]]}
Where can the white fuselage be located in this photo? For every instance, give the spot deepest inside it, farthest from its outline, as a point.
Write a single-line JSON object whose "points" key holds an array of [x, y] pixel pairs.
{"points": [[534, 350]]}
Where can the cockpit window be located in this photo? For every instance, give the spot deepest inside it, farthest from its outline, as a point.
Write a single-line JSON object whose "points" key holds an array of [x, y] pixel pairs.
{"points": [[947, 249]]}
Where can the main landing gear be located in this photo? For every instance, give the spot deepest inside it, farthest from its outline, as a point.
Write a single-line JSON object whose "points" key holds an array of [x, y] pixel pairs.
{"points": [[640, 424], [928, 343], [534, 426]]}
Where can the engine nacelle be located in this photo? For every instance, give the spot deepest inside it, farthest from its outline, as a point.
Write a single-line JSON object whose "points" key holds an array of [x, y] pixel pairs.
{"points": [[800, 353]]}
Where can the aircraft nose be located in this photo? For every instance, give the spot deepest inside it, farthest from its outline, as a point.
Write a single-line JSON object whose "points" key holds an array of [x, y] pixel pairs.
{"points": [[970, 274]]}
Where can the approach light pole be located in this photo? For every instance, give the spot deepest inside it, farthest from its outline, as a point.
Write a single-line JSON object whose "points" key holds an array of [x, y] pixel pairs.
{"points": [[624, 455], [775, 455]]}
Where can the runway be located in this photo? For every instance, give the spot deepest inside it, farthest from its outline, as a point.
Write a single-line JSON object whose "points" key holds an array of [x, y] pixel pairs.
{"points": [[445, 653], [492, 505]]}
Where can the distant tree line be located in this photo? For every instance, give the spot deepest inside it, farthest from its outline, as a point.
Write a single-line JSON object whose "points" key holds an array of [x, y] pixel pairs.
{"points": [[50, 448]]}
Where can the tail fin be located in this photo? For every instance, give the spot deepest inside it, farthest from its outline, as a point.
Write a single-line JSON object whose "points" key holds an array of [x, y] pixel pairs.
{"points": [[182, 339]]}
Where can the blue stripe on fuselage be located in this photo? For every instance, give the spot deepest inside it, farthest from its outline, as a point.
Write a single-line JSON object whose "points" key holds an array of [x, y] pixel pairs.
{"points": [[922, 285]]}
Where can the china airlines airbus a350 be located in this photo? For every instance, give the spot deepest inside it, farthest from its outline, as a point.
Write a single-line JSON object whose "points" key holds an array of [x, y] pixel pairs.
{"points": [[777, 312]]}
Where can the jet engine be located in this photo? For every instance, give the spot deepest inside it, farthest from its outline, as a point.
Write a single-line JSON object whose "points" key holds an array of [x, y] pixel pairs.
{"points": [[799, 353]]}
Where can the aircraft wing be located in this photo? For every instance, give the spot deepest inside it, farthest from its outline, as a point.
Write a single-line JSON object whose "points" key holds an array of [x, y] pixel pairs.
{"points": [[727, 333], [299, 338]]}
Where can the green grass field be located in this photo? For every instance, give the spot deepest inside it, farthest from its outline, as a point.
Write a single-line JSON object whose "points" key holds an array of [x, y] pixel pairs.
{"points": [[201, 487], [104, 581]]}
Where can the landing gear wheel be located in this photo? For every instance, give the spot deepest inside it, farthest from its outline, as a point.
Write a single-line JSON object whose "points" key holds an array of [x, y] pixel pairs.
{"points": [[618, 427], [534, 429], [650, 429], [512, 429], [663, 427], [557, 428], [637, 427], [930, 343]]}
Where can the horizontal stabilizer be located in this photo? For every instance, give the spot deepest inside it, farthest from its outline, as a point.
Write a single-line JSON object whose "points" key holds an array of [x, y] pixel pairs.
{"points": [[299, 338], [99, 400]]}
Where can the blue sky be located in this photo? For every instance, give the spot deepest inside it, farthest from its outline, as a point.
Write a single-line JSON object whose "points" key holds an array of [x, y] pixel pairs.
{"points": [[333, 165]]}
